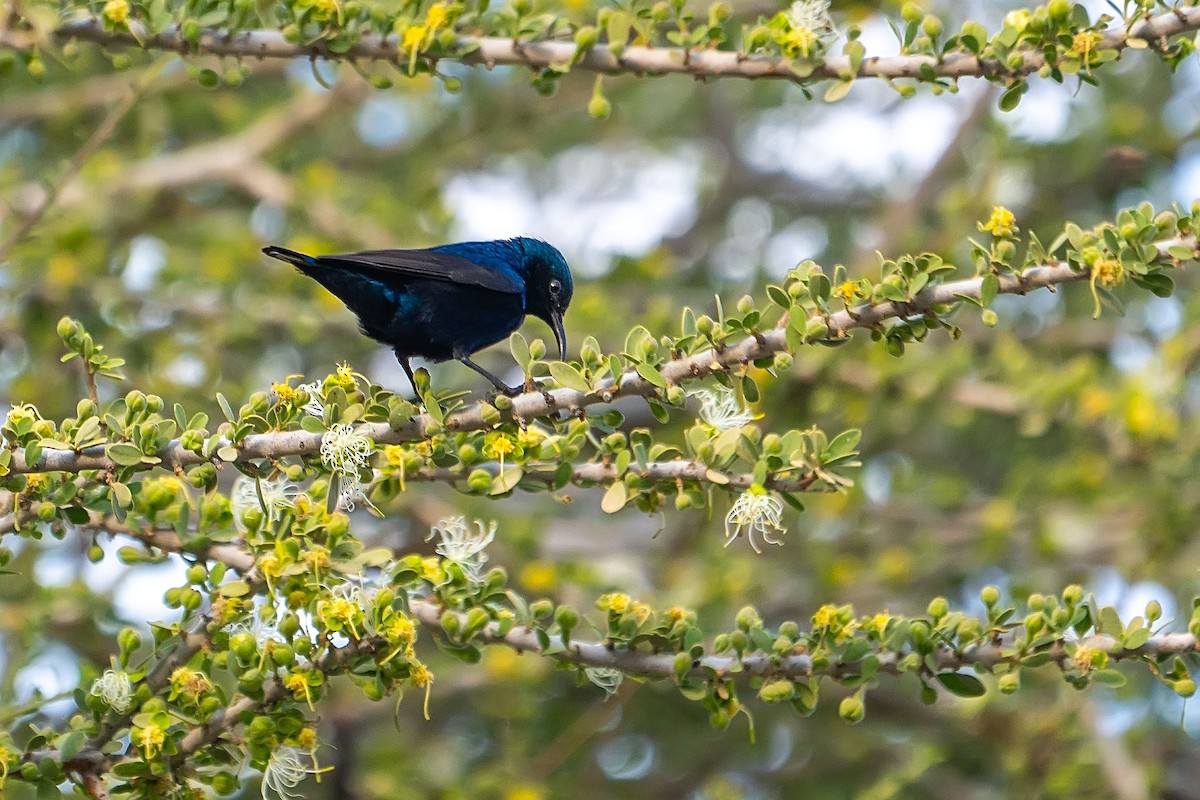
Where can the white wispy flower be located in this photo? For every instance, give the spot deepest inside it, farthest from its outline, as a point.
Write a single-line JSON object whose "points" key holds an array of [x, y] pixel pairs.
{"points": [[345, 452], [606, 678], [757, 513], [115, 689], [314, 406], [722, 410], [462, 543], [811, 15], [287, 767], [277, 494], [261, 629]]}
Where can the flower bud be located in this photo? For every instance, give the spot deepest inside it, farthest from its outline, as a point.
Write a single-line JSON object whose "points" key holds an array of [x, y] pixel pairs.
{"points": [[776, 691], [852, 709]]}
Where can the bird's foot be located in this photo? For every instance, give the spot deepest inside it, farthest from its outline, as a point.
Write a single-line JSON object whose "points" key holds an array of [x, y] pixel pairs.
{"points": [[507, 391]]}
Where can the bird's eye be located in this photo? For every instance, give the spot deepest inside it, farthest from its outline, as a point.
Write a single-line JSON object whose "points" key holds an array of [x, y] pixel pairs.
{"points": [[555, 286]]}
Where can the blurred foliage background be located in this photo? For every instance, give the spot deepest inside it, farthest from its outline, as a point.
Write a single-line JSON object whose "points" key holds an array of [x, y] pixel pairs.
{"points": [[1049, 450]]}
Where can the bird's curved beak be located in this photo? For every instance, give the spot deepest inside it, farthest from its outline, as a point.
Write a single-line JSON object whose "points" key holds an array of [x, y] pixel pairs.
{"points": [[560, 336]]}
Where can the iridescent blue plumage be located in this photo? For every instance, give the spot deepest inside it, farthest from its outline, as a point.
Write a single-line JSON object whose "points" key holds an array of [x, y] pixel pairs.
{"points": [[448, 301]]}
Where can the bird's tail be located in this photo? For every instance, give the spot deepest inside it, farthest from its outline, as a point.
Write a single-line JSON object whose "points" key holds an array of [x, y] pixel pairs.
{"points": [[290, 256]]}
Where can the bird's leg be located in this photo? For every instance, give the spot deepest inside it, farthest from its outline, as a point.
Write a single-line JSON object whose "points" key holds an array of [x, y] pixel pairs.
{"points": [[403, 359], [511, 391]]}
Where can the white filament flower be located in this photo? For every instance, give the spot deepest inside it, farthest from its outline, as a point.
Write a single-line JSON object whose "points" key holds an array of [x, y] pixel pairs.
{"points": [[721, 410], [756, 512], [314, 406], [276, 495], [285, 769], [346, 452], [811, 15], [606, 678], [463, 544], [115, 689]]}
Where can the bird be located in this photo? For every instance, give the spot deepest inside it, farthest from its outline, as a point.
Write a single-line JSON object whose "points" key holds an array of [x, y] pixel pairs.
{"points": [[448, 301]]}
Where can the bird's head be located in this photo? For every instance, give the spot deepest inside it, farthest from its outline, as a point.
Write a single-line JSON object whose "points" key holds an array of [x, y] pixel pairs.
{"points": [[548, 286]]}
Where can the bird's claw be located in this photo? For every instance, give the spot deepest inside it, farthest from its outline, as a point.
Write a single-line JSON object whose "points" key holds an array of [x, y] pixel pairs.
{"points": [[507, 391]]}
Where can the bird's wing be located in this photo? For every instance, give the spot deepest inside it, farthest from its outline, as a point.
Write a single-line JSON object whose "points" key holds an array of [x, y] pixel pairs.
{"points": [[430, 264]]}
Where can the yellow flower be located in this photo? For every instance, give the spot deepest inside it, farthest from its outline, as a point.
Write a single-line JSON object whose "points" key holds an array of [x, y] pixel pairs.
{"points": [[499, 445], [1108, 272], [437, 16], [420, 675], [189, 684], [878, 622], [826, 616], [297, 684], [283, 392], [400, 630], [800, 42], [1083, 44], [849, 292], [117, 11], [150, 739], [307, 738], [528, 437], [317, 557], [1001, 224], [616, 602], [413, 36], [346, 377], [1088, 658], [326, 8]]}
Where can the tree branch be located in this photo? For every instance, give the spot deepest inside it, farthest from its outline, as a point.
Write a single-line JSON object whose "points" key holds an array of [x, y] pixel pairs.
{"points": [[550, 402], [996, 652], [492, 51]]}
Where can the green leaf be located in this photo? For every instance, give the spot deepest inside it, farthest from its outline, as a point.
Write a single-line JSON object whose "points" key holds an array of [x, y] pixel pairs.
{"points": [[1112, 678], [238, 588], [1012, 96], [569, 377], [837, 91], [1110, 622], [70, 744], [844, 443], [1161, 285], [225, 408], [651, 374], [520, 351], [122, 497], [962, 684], [506, 481], [124, 454], [48, 790], [1137, 638], [615, 498], [988, 289]]}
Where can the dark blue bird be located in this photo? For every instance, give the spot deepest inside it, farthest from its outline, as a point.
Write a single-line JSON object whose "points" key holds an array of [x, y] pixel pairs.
{"points": [[449, 301]]}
